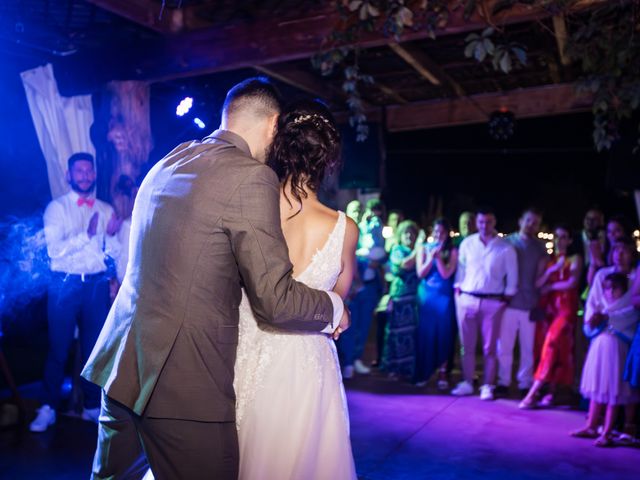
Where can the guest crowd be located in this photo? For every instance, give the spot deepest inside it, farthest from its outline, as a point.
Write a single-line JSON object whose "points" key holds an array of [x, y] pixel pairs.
{"points": [[434, 294]]}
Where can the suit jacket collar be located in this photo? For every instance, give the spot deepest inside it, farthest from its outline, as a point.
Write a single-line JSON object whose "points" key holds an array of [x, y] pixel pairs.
{"points": [[230, 137]]}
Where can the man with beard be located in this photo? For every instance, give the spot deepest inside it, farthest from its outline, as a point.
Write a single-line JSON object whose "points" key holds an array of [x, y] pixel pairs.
{"points": [[80, 231]]}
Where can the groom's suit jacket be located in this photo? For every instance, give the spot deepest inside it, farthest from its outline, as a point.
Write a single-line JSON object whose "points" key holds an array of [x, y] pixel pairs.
{"points": [[206, 222]]}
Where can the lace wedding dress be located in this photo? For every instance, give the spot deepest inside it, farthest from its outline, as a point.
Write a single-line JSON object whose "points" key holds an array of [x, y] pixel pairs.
{"points": [[291, 410]]}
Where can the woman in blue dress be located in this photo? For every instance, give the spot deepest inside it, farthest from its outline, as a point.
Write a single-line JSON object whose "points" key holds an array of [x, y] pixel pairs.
{"points": [[436, 264], [632, 372]]}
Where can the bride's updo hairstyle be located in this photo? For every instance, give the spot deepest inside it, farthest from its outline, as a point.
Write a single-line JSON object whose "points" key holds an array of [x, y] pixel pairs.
{"points": [[306, 146]]}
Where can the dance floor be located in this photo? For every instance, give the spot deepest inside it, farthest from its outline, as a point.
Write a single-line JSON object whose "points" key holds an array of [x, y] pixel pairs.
{"points": [[398, 432], [402, 432]]}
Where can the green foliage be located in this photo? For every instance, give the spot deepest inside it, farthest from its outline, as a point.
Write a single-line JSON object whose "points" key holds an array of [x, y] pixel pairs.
{"points": [[503, 55], [605, 43]]}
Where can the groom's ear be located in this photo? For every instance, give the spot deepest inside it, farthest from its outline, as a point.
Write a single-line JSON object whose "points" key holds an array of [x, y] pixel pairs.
{"points": [[272, 123]]}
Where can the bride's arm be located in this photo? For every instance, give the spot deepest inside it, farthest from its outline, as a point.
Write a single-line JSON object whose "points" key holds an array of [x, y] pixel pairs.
{"points": [[343, 285]]}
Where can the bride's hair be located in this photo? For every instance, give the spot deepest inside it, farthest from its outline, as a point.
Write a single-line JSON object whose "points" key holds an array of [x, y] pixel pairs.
{"points": [[306, 146]]}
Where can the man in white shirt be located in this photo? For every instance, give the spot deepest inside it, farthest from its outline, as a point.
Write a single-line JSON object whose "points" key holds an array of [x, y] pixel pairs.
{"points": [[486, 280], [80, 231]]}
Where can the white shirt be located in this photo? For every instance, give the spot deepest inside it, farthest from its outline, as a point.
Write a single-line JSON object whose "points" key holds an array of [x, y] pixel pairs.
{"points": [[338, 310], [68, 244], [488, 269]]}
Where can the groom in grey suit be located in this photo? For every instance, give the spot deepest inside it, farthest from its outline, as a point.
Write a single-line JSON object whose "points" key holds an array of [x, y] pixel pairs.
{"points": [[206, 222]]}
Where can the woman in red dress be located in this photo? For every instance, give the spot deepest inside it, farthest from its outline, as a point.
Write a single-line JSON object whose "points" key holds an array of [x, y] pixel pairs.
{"points": [[559, 288]]}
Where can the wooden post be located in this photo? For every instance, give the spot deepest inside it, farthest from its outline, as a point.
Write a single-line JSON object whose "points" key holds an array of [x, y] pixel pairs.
{"points": [[129, 133]]}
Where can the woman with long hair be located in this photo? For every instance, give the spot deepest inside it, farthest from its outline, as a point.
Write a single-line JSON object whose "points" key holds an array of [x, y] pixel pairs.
{"points": [[436, 265], [291, 411]]}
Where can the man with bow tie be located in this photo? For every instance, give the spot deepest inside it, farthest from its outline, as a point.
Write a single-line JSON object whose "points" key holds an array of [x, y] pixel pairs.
{"points": [[80, 233]]}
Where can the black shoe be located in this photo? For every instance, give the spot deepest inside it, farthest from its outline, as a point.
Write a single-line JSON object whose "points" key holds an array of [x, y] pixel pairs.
{"points": [[501, 391]]}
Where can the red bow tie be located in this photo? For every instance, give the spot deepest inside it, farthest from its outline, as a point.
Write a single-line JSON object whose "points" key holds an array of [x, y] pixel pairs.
{"points": [[86, 201]]}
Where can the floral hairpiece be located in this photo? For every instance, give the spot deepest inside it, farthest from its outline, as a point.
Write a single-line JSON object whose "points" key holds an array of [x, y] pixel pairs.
{"points": [[306, 118]]}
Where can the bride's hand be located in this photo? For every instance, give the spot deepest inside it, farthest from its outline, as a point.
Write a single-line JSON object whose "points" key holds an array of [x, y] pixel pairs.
{"points": [[345, 323]]}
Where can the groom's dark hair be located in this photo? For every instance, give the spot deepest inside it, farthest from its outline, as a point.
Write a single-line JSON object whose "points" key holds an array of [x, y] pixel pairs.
{"points": [[256, 94]]}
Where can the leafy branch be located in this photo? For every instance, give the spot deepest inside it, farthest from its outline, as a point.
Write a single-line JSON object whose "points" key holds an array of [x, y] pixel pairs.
{"points": [[503, 55], [605, 44]]}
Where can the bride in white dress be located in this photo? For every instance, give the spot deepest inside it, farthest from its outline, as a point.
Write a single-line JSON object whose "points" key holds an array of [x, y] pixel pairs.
{"points": [[291, 409]]}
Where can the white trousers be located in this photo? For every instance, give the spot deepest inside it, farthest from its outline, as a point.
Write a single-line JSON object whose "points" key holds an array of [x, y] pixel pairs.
{"points": [[516, 322]]}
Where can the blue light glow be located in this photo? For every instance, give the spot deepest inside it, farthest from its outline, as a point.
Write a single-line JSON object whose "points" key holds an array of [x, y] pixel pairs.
{"points": [[199, 123], [185, 105]]}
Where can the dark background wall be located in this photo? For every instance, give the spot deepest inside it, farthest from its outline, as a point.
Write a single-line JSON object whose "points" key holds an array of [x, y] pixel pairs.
{"points": [[549, 162]]}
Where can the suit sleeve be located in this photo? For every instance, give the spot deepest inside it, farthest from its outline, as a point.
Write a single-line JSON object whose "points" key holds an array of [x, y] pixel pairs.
{"points": [[252, 221]]}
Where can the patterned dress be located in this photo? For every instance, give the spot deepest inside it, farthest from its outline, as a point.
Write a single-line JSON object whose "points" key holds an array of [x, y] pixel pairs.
{"points": [[399, 352]]}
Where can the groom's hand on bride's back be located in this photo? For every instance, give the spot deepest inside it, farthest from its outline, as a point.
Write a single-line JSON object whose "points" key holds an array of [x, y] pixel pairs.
{"points": [[345, 322]]}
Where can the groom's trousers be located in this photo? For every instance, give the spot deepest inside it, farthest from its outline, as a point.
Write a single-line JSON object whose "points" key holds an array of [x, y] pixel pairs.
{"points": [[128, 444]]}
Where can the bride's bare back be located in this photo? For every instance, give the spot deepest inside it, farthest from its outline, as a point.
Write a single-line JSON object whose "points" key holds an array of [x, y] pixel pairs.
{"points": [[308, 231]]}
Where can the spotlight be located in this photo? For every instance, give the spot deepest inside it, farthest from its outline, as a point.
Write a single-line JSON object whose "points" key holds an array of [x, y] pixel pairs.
{"points": [[387, 232], [184, 106], [199, 123]]}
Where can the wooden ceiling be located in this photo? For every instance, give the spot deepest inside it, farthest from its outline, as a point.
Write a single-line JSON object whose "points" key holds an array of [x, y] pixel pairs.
{"points": [[419, 82]]}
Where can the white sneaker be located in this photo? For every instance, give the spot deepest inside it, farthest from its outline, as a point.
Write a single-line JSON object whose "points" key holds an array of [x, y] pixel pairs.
{"points": [[361, 368], [91, 414], [486, 392], [45, 418], [347, 372], [463, 389]]}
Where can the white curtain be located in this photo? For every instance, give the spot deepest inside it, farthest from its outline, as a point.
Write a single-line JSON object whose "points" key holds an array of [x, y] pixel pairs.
{"points": [[62, 123]]}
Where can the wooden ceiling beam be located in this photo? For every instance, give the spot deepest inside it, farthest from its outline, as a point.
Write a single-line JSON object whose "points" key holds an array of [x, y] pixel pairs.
{"points": [[560, 29], [425, 66], [414, 60], [524, 103], [312, 84], [270, 40], [299, 79], [390, 92], [142, 12]]}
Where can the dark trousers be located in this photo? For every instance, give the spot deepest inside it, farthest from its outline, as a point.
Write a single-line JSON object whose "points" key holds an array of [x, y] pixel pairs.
{"points": [[352, 342], [128, 444], [73, 302]]}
